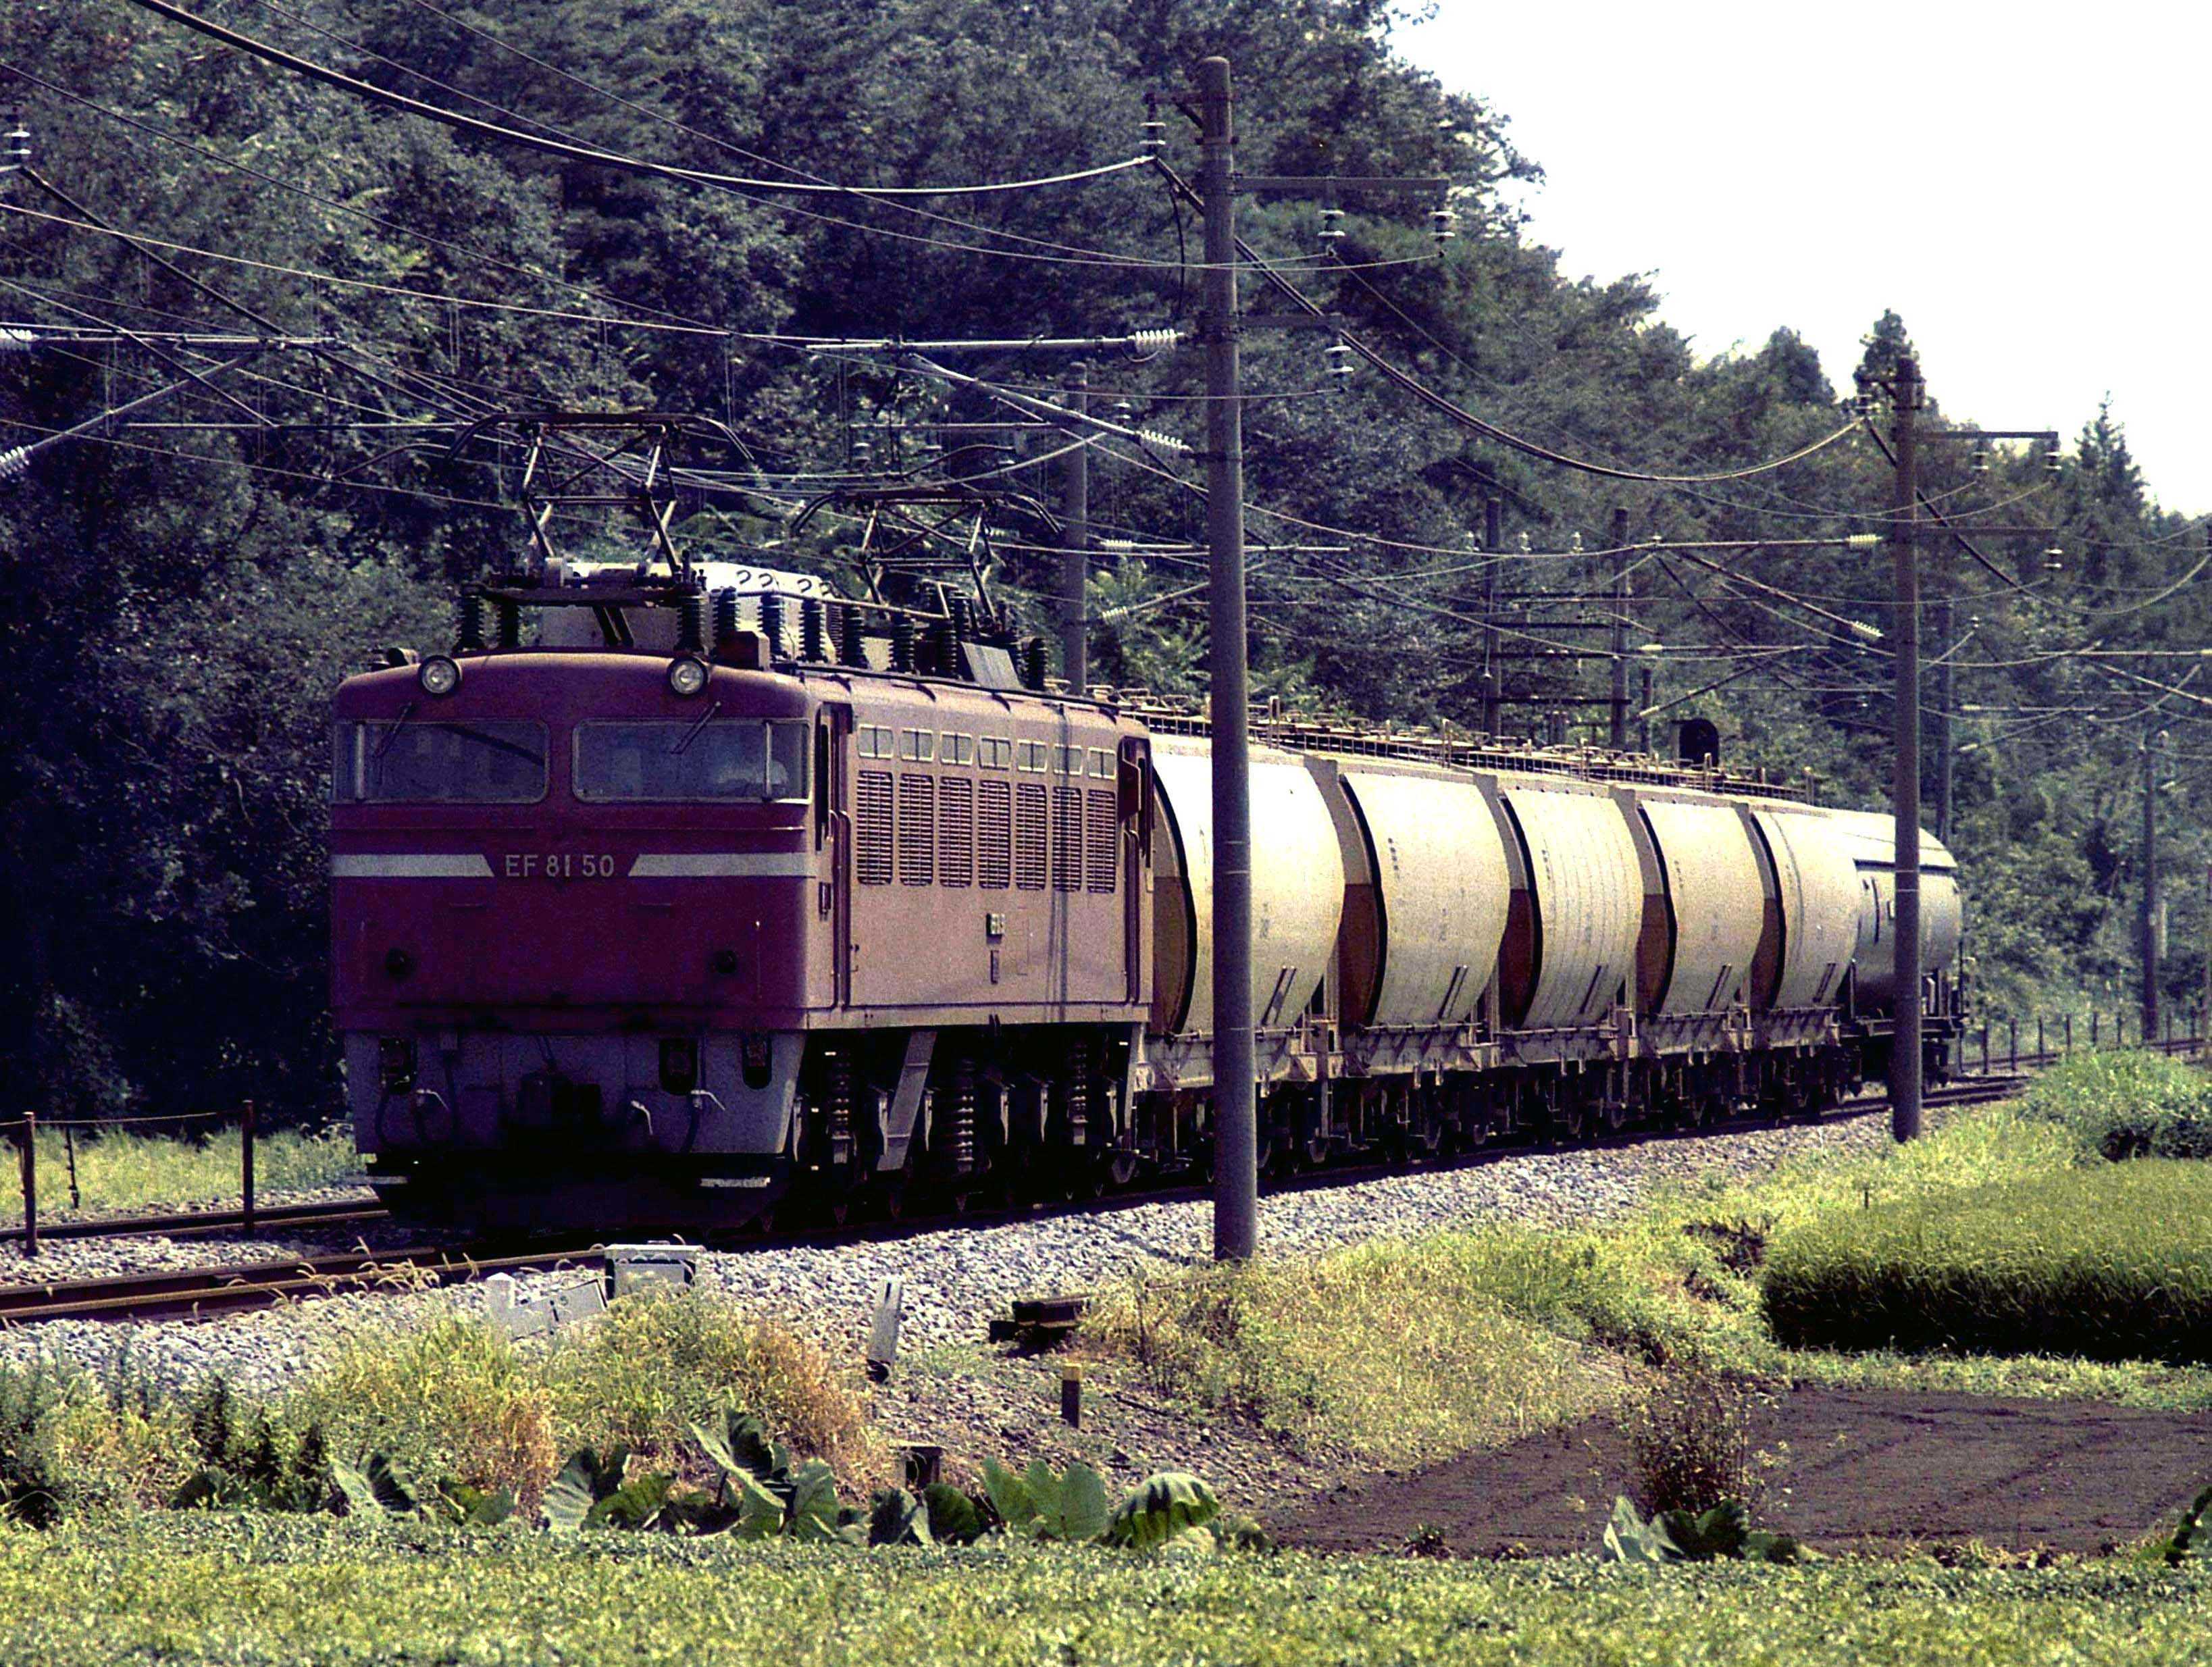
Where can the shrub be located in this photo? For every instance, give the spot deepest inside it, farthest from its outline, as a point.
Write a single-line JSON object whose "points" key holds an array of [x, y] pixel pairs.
{"points": [[71, 1444], [661, 1361], [454, 1398], [2128, 1105], [2110, 1264]]}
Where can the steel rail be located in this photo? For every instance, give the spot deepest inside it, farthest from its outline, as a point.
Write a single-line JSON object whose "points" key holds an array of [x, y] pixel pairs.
{"points": [[333, 1212], [191, 1293]]}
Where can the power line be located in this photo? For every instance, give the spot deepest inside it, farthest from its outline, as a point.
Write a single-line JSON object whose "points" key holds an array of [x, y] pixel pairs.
{"points": [[1459, 414], [577, 153]]}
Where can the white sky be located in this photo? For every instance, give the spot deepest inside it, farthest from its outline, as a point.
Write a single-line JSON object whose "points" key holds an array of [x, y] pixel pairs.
{"points": [[2024, 184]]}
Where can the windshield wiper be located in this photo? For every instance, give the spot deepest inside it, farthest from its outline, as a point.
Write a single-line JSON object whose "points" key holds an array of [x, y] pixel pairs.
{"points": [[685, 740], [384, 745]]}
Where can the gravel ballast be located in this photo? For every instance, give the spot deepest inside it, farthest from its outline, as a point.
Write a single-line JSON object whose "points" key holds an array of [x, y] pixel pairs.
{"points": [[956, 1280]]}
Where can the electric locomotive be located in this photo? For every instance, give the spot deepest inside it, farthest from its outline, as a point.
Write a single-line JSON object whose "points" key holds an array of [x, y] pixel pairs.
{"points": [[726, 890]]}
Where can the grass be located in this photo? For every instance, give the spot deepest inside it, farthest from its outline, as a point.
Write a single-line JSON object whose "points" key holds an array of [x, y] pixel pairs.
{"points": [[2110, 1264], [251, 1591], [121, 1173], [1392, 1351], [2127, 1104], [1404, 1352]]}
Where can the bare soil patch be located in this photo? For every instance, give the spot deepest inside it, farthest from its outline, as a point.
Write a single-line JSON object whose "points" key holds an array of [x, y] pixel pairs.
{"points": [[1859, 1468]]}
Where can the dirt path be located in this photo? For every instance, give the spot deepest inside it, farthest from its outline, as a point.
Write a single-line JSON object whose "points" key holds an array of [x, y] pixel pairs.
{"points": [[1861, 1467]]}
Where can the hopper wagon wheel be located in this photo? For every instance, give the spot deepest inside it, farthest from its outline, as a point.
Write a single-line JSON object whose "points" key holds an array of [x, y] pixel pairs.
{"points": [[1093, 1172], [1123, 1167]]}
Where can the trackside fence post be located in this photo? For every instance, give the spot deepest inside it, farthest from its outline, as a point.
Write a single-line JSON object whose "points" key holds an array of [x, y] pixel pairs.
{"points": [[30, 1184], [245, 1165], [2012, 1040]]}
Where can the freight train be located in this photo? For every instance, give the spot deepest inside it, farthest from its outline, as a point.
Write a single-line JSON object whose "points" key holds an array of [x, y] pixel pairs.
{"points": [[729, 893]]}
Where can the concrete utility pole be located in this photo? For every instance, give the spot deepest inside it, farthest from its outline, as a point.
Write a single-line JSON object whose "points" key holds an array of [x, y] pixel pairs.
{"points": [[1075, 536], [1617, 728], [1940, 720], [1904, 1037], [1235, 1119], [2151, 747]]}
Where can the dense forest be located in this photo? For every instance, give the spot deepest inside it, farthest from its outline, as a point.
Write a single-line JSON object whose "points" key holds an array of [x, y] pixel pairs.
{"points": [[182, 594]]}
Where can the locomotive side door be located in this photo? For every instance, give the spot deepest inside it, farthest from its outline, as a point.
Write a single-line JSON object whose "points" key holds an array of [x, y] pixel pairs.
{"points": [[1132, 787], [833, 837]]}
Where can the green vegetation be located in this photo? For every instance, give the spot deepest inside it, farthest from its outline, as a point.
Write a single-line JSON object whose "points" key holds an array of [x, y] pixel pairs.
{"points": [[249, 1592], [455, 1403], [1401, 1351], [123, 1174], [198, 593], [2128, 1105], [1392, 1351], [2112, 1263]]}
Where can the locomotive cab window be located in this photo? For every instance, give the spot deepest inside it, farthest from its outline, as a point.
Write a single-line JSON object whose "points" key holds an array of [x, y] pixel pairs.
{"points": [[735, 759], [415, 761]]}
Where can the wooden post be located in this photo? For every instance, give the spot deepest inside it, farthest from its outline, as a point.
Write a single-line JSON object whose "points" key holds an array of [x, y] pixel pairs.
{"points": [[1071, 1394], [245, 1163], [2069, 1036], [1985, 1051], [2012, 1030], [30, 1184]]}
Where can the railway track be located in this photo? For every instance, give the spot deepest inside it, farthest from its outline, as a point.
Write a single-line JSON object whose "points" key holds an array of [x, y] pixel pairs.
{"points": [[192, 1224], [194, 1292], [186, 1293], [2008, 1071]]}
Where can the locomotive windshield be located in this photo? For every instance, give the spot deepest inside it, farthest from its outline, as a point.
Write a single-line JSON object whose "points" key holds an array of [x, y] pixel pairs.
{"points": [[734, 759], [419, 762]]}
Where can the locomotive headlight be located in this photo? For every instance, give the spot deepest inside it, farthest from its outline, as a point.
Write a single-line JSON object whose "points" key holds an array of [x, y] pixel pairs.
{"points": [[440, 675], [686, 677], [679, 1065]]}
